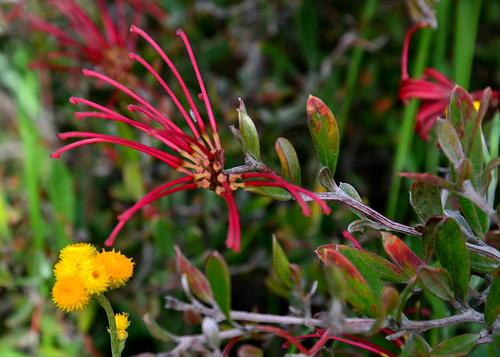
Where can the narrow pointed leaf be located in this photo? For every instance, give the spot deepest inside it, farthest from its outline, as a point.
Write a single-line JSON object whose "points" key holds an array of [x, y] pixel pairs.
{"points": [[437, 282], [249, 133], [198, 283], [336, 282], [492, 308], [458, 346], [281, 264], [324, 132], [477, 219], [276, 193], [385, 270], [449, 141], [157, 331], [431, 180], [415, 346], [290, 168], [217, 273], [453, 255], [400, 254], [426, 200], [358, 293]]}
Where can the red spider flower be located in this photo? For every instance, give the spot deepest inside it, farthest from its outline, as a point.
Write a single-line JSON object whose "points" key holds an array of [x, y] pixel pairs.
{"points": [[434, 94], [103, 43], [197, 154]]}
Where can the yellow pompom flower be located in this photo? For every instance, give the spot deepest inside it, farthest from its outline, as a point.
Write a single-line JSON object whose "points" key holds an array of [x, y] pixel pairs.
{"points": [[119, 267], [69, 293], [122, 323], [72, 257], [95, 276]]}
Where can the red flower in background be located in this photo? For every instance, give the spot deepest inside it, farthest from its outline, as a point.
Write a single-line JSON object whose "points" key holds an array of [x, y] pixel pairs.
{"points": [[198, 154], [103, 43], [433, 88]]}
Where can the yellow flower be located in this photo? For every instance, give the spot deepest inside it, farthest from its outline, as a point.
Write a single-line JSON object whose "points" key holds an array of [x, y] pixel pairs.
{"points": [[94, 276], [119, 267], [122, 323], [69, 294], [72, 257]]}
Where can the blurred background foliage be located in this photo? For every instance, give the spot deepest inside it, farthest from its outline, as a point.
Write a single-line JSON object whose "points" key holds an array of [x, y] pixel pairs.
{"points": [[272, 54]]}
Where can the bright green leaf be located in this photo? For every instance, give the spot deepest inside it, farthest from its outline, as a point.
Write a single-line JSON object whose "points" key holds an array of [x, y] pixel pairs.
{"points": [[249, 133], [457, 346], [453, 255], [281, 264], [217, 273]]}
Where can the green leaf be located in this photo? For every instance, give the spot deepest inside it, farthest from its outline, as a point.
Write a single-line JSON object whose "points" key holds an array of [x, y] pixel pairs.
{"points": [[399, 253], [324, 132], [325, 178], [437, 282], [463, 116], [198, 283], [492, 308], [351, 191], [449, 141], [276, 193], [290, 168], [281, 264], [428, 237], [249, 133], [481, 264], [217, 273], [358, 292], [453, 255], [385, 270], [157, 331], [336, 282], [426, 200], [457, 346], [477, 219], [415, 346]]}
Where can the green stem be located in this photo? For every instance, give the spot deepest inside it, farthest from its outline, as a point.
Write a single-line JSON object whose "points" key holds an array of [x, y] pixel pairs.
{"points": [[116, 349], [468, 12], [354, 66]]}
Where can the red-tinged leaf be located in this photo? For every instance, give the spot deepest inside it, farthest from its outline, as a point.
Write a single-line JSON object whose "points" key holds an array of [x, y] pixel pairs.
{"points": [[431, 180], [217, 273], [492, 308], [249, 133], [384, 269], [358, 292], [415, 346], [390, 300], [197, 281], [429, 236], [249, 351], [463, 116], [458, 346], [453, 255], [281, 264], [437, 282], [449, 141], [290, 168], [400, 254], [324, 132], [481, 264], [493, 239], [426, 200]]}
